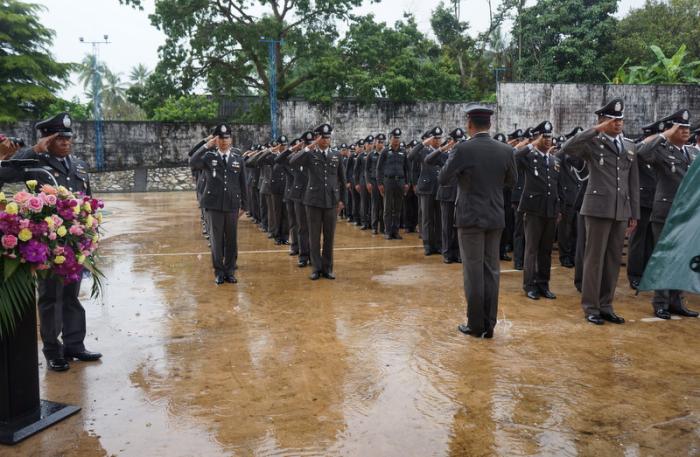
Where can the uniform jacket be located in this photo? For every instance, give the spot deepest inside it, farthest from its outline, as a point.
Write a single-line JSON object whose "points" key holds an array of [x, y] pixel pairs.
{"points": [[75, 179], [446, 193], [568, 185], [359, 169], [483, 167], [540, 194], [371, 167], [225, 188], [326, 178], [294, 190], [392, 164], [613, 183], [428, 178]]}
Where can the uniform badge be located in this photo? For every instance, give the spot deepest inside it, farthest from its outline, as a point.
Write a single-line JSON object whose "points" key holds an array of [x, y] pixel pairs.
{"points": [[686, 115], [66, 122], [618, 106]]}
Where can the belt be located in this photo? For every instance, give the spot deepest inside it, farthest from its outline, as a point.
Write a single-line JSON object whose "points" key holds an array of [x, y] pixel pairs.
{"points": [[393, 177]]}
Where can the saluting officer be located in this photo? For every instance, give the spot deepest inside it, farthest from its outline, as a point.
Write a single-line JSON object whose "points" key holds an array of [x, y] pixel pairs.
{"points": [[569, 185], [671, 158], [392, 178], [293, 229], [411, 201], [447, 196], [641, 242], [223, 200], [514, 139], [346, 157], [199, 184], [361, 186], [60, 310], [483, 166], [610, 207], [324, 198], [426, 189], [539, 204], [377, 202], [506, 245]]}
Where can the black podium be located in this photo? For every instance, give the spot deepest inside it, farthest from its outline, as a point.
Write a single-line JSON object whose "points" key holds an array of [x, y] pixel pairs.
{"points": [[22, 412]]}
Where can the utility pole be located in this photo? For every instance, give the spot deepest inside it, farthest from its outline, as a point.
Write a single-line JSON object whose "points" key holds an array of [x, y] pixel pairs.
{"points": [[272, 77], [96, 108]]}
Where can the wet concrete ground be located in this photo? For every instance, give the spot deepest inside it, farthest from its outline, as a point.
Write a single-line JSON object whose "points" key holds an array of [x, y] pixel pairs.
{"points": [[368, 365]]}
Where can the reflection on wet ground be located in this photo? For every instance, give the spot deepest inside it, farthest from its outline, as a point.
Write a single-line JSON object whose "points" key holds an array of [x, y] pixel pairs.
{"points": [[369, 364]]}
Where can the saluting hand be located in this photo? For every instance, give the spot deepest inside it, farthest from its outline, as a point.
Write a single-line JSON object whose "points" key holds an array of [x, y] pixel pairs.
{"points": [[42, 146], [670, 132], [211, 143], [8, 149], [603, 126]]}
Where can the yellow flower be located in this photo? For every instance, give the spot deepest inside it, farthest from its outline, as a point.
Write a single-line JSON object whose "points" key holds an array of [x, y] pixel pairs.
{"points": [[12, 208], [99, 217], [63, 192], [2, 197], [59, 259], [49, 222], [76, 209], [32, 183], [80, 259], [87, 207], [88, 222], [25, 234], [61, 231], [95, 237]]}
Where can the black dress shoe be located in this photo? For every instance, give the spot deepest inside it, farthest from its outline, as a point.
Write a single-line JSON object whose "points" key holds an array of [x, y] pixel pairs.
{"points": [[398, 237], [467, 330], [58, 364], [685, 312], [364, 227], [375, 232], [388, 237], [518, 267], [546, 293], [293, 253], [270, 235], [506, 257], [533, 295], [328, 275], [302, 263], [593, 319], [447, 260], [428, 252], [634, 284], [662, 314], [84, 355], [315, 275], [231, 278], [612, 317], [219, 279]]}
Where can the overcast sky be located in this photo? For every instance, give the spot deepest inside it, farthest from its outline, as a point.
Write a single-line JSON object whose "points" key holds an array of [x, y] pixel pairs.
{"points": [[134, 40]]}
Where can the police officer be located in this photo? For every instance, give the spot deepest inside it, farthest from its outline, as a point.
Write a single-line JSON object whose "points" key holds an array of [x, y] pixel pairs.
{"points": [[346, 157], [199, 184], [515, 139], [641, 242], [353, 194], [223, 200], [506, 245], [411, 200], [482, 167], [60, 310], [290, 214], [610, 207], [252, 175], [392, 179], [539, 204], [324, 198], [426, 189], [671, 158], [569, 185], [377, 202], [360, 178], [447, 196]]}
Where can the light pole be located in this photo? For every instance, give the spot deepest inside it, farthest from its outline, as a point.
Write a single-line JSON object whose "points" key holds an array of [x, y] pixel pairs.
{"points": [[272, 77], [96, 108]]}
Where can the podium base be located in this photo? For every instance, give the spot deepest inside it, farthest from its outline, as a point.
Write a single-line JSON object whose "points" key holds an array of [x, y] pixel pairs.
{"points": [[50, 413]]}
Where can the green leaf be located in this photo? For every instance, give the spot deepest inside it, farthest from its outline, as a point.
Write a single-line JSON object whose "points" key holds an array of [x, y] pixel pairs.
{"points": [[17, 296], [10, 267]]}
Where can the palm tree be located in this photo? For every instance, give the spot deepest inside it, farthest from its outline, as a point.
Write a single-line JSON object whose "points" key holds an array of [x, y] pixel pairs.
{"points": [[86, 70], [113, 89], [138, 75]]}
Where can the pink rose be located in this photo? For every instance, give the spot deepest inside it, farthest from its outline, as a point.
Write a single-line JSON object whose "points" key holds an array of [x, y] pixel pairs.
{"points": [[76, 230], [9, 241], [49, 190], [52, 236], [58, 250], [23, 223], [21, 197], [57, 221], [35, 204], [48, 199]]}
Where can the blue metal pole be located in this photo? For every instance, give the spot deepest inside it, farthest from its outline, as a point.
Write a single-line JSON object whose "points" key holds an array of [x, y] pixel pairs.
{"points": [[97, 113], [273, 88]]}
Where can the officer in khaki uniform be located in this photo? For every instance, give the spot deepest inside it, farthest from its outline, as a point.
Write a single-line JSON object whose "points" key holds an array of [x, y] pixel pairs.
{"points": [[610, 206], [539, 204], [392, 178], [324, 198], [482, 166], [671, 158], [60, 311], [223, 199]]}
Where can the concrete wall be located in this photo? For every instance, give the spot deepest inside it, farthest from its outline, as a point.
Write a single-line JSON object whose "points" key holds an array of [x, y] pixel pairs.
{"points": [[522, 105]]}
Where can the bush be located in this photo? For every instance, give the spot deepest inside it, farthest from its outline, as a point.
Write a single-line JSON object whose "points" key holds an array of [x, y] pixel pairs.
{"points": [[188, 108]]}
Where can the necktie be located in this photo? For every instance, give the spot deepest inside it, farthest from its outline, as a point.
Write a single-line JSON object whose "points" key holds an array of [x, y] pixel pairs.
{"points": [[617, 146], [65, 163], [224, 157]]}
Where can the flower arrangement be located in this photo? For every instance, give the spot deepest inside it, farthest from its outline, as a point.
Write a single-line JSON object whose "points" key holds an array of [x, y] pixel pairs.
{"points": [[50, 233]]}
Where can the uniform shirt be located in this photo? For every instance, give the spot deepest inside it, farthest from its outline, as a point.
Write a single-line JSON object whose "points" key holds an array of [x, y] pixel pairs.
{"points": [[540, 194], [446, 193], [359, 169], [326, 178], [225, 188], [371, 167], [428, 178], [569, 184], [671, 164], [613, 183], [71, 173], [392, 164]]}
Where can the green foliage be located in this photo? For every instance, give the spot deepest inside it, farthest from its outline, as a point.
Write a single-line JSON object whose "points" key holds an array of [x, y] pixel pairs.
{"points": [[28, 73], [77, 110], [666, 70], [188, 108], [17, 294], [258, 113]]}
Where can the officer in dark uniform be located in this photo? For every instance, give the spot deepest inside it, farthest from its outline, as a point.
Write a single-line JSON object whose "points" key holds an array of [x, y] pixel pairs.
{"points": [[290, 213], [199, 184], [296, 194], [324, 198], [671, 157], [361, 182], [426, 189], [392, 178], [506, 245], [569, 185], [280, 227], [610, 206], [346, 156], [540, 207], [258, 181], [354, 185], [482, 167], [224, 199], [377, 202], [411, 200], [252, 176], [641, 243], [447, 196], [60, 310], [516, 139]]}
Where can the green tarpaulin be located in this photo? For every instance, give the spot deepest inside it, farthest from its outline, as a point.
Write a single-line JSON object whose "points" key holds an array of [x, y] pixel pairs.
{"points": [[678, 250]]}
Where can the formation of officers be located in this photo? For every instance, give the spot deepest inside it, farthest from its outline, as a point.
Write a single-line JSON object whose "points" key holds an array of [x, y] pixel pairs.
{"points": [[473, 198]]}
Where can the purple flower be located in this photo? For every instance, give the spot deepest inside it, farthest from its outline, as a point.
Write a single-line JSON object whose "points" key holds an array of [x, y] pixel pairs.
{"points": [[9, 223], [38, 228], [70, 270], [34, 251]]}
